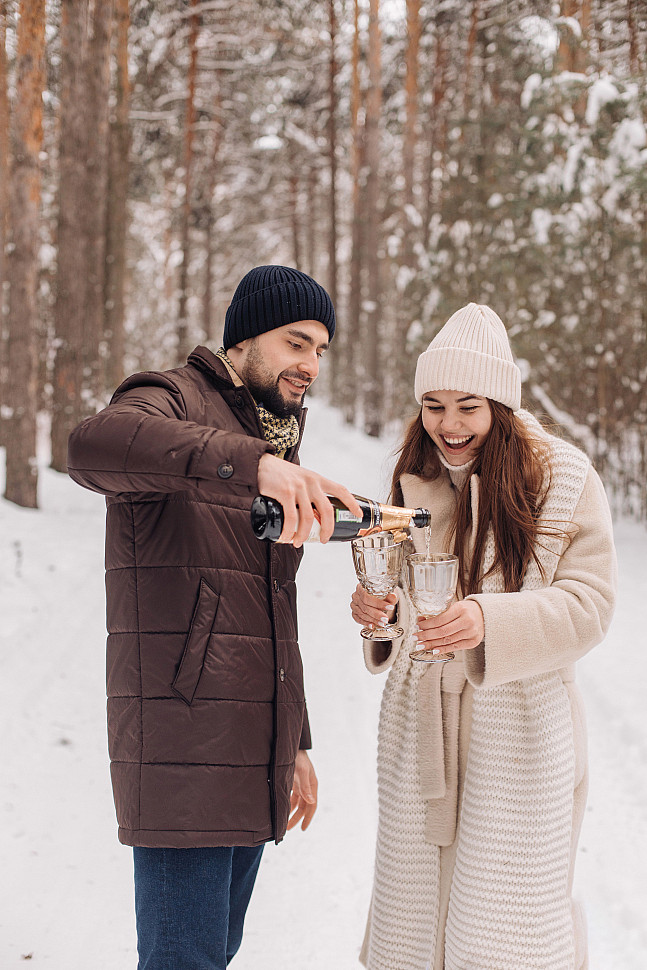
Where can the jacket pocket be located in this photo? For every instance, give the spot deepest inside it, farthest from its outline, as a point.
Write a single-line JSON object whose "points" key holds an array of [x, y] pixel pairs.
{"points": [[190, 669]]}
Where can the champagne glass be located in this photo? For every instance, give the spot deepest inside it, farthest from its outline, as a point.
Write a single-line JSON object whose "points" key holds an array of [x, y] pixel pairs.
{"points": [[378, 560], [431, 580]]}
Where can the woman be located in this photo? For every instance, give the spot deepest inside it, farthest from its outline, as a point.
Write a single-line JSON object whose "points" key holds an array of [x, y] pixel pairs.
{"points": [[482, 760]]}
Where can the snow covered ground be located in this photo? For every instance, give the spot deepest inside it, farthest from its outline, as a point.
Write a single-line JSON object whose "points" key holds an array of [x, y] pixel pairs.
{"points": [[66, 883]]}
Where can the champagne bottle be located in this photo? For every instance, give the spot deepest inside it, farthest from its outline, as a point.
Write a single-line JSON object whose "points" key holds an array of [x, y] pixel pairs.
{"points": [[267, 519]]}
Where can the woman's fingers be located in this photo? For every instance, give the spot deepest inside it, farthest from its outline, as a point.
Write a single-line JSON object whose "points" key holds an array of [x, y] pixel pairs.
{"points": [[370, 610], [460, 627]]}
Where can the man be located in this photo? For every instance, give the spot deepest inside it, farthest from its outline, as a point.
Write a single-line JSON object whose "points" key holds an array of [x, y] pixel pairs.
{"points": [[208, 730]]}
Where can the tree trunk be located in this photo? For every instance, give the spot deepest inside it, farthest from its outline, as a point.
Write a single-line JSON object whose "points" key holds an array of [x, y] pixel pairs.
{"points": [[373, 337], [70, 282], [474, 119], [407, 308], [294, 210], [350, 335], [570, 54], [634, 49], [95, 200], [83, 139], [437, 135], [26, 141], [469, 58], [312, 226], [333, 270], [410, 137], [332, 153], [4, 144], [183, 348], [572, 51], [216, 139], [116, 215], [4, 196], [207, 300]]}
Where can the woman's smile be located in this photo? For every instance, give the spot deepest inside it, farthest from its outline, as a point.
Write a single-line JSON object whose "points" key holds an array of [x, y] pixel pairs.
{"points": [[457, 443]]}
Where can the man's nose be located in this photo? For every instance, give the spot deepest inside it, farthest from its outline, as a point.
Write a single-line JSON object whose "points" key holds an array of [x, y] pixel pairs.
{"points": [[309, 365]]}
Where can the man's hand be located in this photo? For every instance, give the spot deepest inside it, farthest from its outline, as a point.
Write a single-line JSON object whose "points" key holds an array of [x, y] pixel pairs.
{"points": [[303, 801], [301, 492]]}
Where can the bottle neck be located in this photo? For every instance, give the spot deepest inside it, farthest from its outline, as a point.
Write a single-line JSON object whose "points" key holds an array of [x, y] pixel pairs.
{"points": [[393, 518]]}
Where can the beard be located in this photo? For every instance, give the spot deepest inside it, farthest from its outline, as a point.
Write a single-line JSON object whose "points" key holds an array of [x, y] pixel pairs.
{"points": [[264, 387]]}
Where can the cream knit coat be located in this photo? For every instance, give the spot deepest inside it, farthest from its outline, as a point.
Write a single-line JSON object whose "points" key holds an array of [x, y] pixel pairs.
{"points": [[447, 894]]}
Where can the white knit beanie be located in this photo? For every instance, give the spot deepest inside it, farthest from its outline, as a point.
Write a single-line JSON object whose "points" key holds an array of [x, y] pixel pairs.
{"points": [[472, 354]]}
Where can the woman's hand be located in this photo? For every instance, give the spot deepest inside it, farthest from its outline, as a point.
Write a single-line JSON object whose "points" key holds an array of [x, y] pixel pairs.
{"points": [[460, 627], [370, 610]]}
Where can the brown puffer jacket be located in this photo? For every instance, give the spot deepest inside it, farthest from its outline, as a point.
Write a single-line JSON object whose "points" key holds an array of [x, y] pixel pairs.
{"points": [[206, 709]]}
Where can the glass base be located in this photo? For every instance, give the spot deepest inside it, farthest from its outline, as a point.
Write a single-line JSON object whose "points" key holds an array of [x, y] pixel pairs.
{"points": [[427, 657], [382, 632]]}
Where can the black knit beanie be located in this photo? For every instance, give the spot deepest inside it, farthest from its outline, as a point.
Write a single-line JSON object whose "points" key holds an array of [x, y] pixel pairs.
{"points": [[272, 296]]}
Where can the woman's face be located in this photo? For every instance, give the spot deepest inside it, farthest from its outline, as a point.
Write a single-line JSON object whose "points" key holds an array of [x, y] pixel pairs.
{"points": [[457, 423]]}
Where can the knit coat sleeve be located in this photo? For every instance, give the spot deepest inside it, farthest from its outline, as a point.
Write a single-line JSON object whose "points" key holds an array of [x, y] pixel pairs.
{"points": [[143, 442], [536, 631]]}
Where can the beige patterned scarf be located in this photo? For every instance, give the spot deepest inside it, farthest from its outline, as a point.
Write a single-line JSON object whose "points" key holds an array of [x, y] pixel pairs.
{"points": [[283, 433]]}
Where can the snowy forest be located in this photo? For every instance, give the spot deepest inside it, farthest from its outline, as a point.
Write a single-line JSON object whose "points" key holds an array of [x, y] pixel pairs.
{"points": [[412, 156]]}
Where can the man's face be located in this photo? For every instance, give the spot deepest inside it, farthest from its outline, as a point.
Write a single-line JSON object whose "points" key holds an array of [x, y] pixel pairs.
{"points": [[280, 365]]}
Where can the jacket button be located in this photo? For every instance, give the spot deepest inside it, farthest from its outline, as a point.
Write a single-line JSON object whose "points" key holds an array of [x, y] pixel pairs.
{"points": [[281, 674], [226, 470], [239, 401], [276, 586]]}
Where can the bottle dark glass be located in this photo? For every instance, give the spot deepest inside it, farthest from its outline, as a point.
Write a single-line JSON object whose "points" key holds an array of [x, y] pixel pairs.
{"points": [[267, 519]]}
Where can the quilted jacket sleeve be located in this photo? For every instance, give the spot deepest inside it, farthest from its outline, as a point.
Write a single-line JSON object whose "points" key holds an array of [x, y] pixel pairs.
{"points": [[536, 631], [305, 742], [142, 442]]}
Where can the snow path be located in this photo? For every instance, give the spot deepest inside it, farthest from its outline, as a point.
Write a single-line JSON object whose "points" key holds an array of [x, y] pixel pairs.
{"points": [[66, 885]]}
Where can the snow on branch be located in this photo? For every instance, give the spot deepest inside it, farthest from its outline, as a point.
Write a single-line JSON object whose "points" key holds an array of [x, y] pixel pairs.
{"points": [[579, 432], [572, 24], [602, 92]]}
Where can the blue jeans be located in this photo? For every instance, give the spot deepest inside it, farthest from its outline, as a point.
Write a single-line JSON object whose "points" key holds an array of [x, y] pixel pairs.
{"points": [[190, 905]]}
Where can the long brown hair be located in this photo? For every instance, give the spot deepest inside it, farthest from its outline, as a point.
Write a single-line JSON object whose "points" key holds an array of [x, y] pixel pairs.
{"points": [[514, 470]]}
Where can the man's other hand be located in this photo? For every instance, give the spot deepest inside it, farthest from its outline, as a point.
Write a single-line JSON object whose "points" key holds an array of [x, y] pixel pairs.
{"points": [[303, 801]]}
